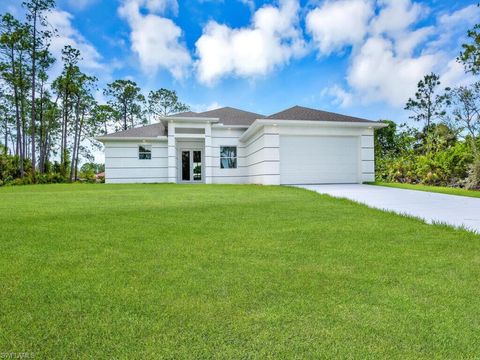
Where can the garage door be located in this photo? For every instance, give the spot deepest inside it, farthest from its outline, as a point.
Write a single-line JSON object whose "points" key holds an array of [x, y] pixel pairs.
{"points": [[319, 159]]}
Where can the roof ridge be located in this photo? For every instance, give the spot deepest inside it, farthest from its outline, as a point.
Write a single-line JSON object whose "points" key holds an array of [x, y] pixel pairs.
{"points": [[230, 108]]}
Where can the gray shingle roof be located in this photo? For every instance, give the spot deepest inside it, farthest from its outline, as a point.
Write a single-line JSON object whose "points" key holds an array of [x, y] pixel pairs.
{"points": [[227, 116], [232, 116], [303, 113], [153, 130]]}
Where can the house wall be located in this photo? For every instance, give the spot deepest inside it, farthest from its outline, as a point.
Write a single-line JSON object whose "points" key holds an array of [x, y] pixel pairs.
{"points": [[227, 137], [258, 156], [262, 156], [123, 166]]}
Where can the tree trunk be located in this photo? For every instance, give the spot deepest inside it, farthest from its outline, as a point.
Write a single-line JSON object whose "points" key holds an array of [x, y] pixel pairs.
{"points": [[19, 144], [42, 133], [74, 151], [64, 130], [125, 127], [78, 144], [6, 135], [34, 53]]}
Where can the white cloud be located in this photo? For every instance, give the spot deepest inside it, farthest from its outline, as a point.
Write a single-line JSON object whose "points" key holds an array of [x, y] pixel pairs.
{"points": [[154, 39], [161, 6], [68, 35], [407, 42], [468, 14], [392, 53], [379, 75], [452, 26], [336, 24], [454, 75], [396, 16], [273, 38], [341, 97], [206, 107]]}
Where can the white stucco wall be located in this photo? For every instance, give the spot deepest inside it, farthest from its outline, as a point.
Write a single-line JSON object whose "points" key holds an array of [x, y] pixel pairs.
{"points": [[227, 137], [262, 156], [123, 166]]}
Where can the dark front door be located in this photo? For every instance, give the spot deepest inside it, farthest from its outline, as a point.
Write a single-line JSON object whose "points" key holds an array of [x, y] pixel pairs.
{"points": [[191, 166]]}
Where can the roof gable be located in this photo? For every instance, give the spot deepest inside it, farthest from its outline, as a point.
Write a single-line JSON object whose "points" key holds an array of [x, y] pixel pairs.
{"points": [[226, 115], [304, 113], [153, 130]]}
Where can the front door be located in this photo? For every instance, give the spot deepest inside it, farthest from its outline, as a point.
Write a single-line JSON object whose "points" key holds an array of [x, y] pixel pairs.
{"points": [[191, 166]]}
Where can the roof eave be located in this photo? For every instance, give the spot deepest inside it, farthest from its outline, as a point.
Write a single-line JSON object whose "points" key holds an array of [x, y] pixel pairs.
{"points": [[226, 126], [366, 123], [281, 122], [130, 138], [189, 119]]}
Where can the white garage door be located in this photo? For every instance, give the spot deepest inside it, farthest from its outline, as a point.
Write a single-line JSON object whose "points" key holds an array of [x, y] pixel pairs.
{"points": [[319, 159]]}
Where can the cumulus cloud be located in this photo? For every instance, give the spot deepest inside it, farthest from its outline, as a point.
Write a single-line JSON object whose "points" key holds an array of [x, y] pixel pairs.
{"points": [[273, 38], [390, 52], [379, 75], [396, 16], [67, 34], [407, 42], [156, 40], [162, 6], [341, 97], [452, 26], [336, 24]]}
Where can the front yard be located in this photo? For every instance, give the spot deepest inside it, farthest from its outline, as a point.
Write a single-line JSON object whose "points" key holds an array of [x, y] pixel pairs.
{"points": [[202, 271]]}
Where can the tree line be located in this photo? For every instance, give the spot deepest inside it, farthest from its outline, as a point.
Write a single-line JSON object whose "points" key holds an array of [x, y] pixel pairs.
{"points": [[47, 125], [446, 149]]}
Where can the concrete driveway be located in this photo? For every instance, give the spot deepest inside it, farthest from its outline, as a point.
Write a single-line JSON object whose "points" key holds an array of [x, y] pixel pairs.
{"points": [[431, 207]]}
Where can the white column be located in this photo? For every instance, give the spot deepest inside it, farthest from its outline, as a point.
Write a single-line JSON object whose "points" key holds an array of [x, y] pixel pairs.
{"points": [[272, 154], [172, 154], [208, 154]]}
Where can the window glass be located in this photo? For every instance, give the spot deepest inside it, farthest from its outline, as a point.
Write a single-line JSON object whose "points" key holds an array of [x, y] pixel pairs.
{"points": [[197, 165], [228, 157], [144, 152], [186, 165]]}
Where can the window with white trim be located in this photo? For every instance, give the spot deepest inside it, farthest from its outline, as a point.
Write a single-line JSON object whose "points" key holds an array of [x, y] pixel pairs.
{"points": [[145, 152], [228, 157]]}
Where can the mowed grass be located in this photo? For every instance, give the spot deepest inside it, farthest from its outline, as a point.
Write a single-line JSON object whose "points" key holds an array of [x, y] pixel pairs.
{"points": [[229, 272], [436, 189]]}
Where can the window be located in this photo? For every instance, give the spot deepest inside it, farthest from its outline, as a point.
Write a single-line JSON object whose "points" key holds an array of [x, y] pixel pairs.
{"points": [[228, 157], [145, 152]]}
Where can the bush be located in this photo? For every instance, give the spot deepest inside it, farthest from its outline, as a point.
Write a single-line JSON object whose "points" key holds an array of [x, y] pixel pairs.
{"points": [[472, 182], [447, 167], [88, 176], [51, 178]]}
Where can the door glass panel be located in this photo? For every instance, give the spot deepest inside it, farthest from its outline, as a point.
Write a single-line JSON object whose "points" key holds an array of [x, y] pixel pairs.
{"points": [[197, 165], [186, 165]]}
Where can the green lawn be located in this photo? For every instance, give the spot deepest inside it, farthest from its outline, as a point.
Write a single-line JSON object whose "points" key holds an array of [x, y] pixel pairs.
{"points": [[229, 272], [437, 189]]}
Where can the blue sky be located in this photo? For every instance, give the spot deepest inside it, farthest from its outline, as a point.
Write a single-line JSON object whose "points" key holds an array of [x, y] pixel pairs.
{"points": [[358, 57]]}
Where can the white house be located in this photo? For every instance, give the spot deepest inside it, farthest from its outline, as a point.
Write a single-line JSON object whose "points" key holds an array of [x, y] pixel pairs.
{"points": [[295, 146]]}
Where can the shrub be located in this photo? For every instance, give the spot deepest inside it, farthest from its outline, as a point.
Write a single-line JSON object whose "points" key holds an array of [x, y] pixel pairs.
{"points": [[472, 182]]}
